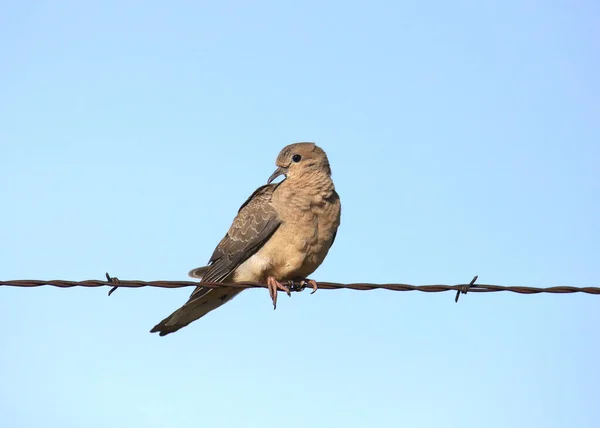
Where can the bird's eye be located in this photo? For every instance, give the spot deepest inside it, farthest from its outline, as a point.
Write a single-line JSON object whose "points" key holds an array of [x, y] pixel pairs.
{"points": [[296, 158]]}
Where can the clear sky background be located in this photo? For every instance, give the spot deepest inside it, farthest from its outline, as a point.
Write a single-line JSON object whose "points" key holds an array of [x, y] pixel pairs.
{"points": [[464, 139]]}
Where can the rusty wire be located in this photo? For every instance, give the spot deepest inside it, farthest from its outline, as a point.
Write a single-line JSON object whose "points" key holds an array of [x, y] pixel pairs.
{"points": [[459, 288]]}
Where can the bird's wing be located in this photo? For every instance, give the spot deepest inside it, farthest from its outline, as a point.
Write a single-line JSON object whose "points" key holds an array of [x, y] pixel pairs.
{"points": [[254, 224]]}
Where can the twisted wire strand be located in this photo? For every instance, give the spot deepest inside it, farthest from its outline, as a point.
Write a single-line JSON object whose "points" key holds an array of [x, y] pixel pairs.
{"points": [[459, 288]]}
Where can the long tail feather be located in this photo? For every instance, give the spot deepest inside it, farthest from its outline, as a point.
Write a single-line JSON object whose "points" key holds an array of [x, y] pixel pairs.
{"points": [[206, 301]]}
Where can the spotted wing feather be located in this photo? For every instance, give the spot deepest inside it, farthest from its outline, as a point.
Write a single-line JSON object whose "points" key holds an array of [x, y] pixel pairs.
{"points": [[254, 224]]}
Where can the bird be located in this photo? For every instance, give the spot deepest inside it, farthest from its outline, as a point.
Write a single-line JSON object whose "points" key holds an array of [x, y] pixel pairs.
{"points": [[281, 234]]}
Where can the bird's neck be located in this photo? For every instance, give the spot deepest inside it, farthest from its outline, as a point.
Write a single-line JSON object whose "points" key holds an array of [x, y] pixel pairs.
{"points": [[311, 182]]}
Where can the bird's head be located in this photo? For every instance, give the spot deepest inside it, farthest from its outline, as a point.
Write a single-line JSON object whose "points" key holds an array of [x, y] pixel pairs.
{"points": [[299, 158]]}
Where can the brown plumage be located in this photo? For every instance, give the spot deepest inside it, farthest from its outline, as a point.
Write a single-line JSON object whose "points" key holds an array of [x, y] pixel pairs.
{"points": [[281, 233]]}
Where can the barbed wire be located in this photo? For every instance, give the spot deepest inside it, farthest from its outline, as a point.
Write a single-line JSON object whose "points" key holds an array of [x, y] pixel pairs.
{"points": [[459, 288]]}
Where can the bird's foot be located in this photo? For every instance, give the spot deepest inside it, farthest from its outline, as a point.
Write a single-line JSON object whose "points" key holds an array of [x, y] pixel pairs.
{"points": [[301, 285], [273, 286]]}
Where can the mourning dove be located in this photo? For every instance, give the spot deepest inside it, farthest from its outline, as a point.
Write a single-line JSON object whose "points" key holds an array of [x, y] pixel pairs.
{"points": [[281, 233]]}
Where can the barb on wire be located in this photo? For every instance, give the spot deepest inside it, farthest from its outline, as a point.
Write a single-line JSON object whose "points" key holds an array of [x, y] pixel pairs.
{"points": [[115, 283], [463, 290], [115, 280]]}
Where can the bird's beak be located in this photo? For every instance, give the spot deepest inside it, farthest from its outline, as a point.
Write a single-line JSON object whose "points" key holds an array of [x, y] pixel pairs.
{"points": [[279, 171]]}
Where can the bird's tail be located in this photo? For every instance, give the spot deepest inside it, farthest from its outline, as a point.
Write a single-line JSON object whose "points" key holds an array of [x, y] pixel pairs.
{"points": [[202, 301], [207, 300]]}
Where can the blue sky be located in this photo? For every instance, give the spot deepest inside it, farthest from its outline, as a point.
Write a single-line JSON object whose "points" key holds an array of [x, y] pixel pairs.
{"points": [[463, 137]]}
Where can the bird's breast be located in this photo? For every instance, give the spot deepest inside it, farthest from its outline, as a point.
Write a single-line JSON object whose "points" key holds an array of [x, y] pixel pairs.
{"points": [[301, 243]]}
